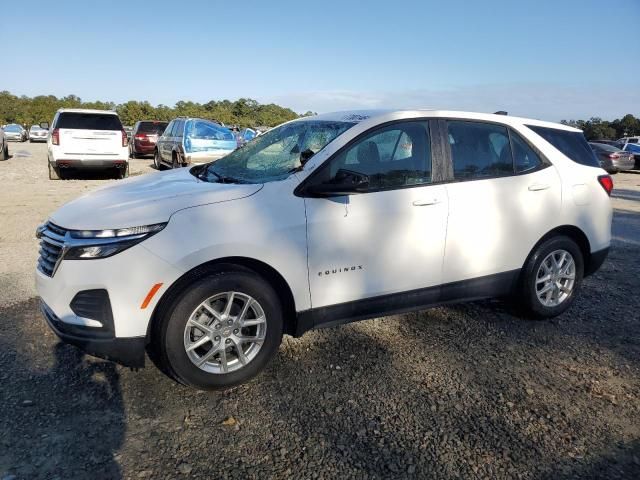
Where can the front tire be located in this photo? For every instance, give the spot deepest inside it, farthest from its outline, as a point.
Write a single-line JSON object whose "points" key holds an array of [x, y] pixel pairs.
{"points": [[156, 160], [552, 277], [220, 331], [5, 153]]}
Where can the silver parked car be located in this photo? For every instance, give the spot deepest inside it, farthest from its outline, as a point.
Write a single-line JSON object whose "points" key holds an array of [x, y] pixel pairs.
{"points": [[611, 158], [37, 134], [14, 132]]}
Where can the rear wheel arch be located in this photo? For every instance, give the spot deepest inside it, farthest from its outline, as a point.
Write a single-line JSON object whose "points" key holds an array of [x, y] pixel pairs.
{"points": [[265, 271], [574, 233]]}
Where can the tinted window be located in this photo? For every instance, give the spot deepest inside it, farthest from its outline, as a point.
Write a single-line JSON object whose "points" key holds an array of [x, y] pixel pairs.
{"points": [[571, 144], [479, 150], [395, 156], [208, 130], [152, 127], [632, 148], [88, 121], [178, 129], [633, 140], [524, 157], [603, 148]]}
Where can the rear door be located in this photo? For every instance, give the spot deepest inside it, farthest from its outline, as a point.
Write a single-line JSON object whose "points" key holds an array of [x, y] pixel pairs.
{"points": [[90, 133], [164, 140], [502, 200]]}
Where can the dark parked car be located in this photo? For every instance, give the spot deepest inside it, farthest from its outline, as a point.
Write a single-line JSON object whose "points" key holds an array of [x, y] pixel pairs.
{"points": [[634, 149], [611, 158], [145, 136]]}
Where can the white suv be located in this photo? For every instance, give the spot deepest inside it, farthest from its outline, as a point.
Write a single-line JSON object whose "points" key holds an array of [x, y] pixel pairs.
{"points": [[83, 138], [321, 221]]}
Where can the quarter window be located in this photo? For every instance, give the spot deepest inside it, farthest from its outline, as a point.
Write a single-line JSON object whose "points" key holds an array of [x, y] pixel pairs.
{"points": [[524, 157], [395, 156], [479, 150]]}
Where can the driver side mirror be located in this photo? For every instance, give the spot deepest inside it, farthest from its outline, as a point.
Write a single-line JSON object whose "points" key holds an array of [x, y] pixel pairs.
{"points": [[44, 125], [346, 182]]}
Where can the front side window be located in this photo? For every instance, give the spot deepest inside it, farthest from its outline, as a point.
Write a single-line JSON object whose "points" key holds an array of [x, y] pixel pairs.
{"points": [[395, 156], [274, 155], [525, 158], [479, 150]]}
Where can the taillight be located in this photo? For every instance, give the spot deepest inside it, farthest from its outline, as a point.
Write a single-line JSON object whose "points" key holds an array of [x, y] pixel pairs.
{"points": [[614, 156], [55, 137], [141, 136], [606, 182], [125, 141]]}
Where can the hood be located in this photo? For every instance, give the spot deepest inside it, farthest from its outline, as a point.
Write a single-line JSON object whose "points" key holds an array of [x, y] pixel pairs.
{"points": [[145, 200]]}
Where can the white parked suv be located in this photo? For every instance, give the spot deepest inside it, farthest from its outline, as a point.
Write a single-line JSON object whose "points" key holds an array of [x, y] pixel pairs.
{"points": [[87, 139], [321, 221]]}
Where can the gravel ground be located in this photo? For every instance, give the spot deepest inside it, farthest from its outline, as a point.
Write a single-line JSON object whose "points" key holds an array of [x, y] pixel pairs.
{"points": [[468, 391]]}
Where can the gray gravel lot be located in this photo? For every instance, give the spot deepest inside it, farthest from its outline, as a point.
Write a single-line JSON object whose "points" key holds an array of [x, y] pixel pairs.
{"points": [[462, 392]]}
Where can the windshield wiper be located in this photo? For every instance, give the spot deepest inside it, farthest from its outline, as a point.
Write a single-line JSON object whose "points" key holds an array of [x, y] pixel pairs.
{"points": [[225, 178]]}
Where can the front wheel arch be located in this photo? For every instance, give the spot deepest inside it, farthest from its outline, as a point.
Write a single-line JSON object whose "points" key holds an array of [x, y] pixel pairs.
{"points": [[267, 272]]}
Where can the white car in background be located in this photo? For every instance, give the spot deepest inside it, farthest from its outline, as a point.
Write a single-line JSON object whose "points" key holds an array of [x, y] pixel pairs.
{"points": [[321, 221], [37, 134], [14, 132], [87, 139]]}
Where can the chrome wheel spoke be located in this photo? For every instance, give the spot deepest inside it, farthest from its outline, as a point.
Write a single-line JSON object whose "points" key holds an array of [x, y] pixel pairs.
{"points": [[240, 353], [544, 279], [199, 325], [227, 308], [253, 321], [199, 343], [205, 358], [223, 360], [212, 311]]}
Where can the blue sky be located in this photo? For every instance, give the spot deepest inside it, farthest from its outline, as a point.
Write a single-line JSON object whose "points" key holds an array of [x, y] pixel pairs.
{"points": [[548, 59]]}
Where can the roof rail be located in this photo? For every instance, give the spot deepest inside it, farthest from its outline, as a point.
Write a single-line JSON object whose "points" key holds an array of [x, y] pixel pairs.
{"points": [[501, 112]]}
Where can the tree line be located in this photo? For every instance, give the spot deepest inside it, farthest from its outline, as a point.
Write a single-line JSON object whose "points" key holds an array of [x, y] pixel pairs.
{"points": [[243, 112], [597, 129]]}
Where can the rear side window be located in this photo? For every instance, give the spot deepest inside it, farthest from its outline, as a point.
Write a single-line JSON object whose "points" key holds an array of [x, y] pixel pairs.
{"points": [[208, 131], [525, 158], [88, 121], [479, 150], [152, 127], [571, 144]]}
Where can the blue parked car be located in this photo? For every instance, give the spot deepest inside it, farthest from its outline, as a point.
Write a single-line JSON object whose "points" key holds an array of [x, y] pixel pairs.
{"points": [[188, 141]]}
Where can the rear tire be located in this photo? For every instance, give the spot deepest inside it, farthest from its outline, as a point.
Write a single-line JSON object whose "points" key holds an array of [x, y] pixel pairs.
{"points": [[551, 277], [224, 365], [54, 172], [156, 160]]}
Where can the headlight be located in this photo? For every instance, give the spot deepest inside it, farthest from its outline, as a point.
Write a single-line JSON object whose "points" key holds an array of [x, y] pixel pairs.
{"points": [[90, 244]]}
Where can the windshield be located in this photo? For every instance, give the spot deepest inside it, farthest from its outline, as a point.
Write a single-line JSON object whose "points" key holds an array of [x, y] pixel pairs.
{"points": [[12, 128], [276, 154]]}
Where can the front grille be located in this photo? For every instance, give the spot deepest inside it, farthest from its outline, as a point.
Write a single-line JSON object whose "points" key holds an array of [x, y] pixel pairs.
{"points": [[52, 239]]}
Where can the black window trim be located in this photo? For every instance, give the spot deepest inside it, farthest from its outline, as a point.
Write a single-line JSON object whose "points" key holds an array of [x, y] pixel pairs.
{"points": [[545, 163], [300, 190]]}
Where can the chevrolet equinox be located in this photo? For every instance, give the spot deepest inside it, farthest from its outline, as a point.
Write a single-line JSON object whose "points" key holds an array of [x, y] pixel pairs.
{"points": [[321, 221]]}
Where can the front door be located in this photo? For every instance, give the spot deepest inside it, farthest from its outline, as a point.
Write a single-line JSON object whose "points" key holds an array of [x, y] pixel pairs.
{"points": [[387, 240]]}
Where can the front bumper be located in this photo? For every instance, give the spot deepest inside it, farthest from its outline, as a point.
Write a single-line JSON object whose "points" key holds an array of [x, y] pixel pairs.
{"points": [[38, 139], [125, 351]]}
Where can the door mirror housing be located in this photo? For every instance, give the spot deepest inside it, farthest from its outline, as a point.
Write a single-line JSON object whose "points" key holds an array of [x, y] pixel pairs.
{"points": [[346, 182], [44, 125]]}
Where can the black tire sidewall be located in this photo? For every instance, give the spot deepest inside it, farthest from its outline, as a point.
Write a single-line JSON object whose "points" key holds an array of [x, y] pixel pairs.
{"points": [[533, 264], [175, 319]]}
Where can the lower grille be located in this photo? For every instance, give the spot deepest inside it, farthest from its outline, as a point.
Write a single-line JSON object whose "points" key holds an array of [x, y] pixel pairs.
{"points": [[52, 239]]}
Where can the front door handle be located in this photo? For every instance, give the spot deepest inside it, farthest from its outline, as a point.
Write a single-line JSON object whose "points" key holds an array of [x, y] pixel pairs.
{"points": [[538, 186], [424, 203]]}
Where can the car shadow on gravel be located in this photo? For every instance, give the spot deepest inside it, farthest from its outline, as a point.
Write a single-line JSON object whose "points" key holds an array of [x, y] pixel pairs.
{"points": [[64, 421]]}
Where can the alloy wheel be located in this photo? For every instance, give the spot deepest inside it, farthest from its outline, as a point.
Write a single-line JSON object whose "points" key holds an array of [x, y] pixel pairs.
{"points": [[556, 278], [225, 332]]}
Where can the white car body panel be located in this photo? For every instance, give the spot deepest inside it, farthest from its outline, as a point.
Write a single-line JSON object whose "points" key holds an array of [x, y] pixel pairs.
{"points": [[457, 230]]}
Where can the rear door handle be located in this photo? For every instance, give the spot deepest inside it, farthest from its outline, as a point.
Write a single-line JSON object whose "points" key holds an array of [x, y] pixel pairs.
{"points": [[424, 203], [538, 186]]}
